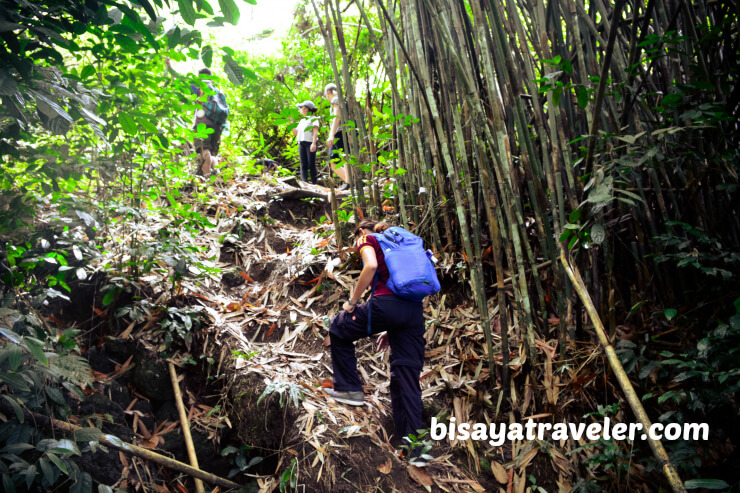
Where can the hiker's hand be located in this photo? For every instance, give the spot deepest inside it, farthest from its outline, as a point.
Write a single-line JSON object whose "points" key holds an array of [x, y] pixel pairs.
{"points": [[383, 342], [348, 307], [330, 142], [313, 147]]}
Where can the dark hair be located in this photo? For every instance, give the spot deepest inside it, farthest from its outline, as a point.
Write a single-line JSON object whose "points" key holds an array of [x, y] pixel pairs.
{"points": [[376, 226], [205, 71]]}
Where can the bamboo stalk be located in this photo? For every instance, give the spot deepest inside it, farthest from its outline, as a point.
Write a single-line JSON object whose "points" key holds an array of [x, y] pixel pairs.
{"points": [[184, 422], [127, 448], [624, 382]]}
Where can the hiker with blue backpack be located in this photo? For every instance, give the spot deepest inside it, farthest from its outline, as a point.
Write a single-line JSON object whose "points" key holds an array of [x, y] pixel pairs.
{"points": [[213, 114], [400, 274]]}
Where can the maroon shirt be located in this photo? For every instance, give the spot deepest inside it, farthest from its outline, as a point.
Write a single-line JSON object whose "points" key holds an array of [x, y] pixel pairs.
{"points": [[367, 241]]}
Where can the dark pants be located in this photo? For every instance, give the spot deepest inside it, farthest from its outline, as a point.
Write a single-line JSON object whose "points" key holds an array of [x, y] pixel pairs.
{"points": [[336, 150], [404, 322], [308, 162], [212, 142]]}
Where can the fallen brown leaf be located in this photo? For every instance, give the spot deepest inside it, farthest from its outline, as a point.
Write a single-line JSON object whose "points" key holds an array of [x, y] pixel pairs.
{"points": [[499, 472], [385, 468], [420, 476]]}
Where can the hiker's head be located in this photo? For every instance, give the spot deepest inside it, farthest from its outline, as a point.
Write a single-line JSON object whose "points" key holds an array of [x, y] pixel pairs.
{"points": [[307, 107], [331, 91], [367, 226], [205, 71]]}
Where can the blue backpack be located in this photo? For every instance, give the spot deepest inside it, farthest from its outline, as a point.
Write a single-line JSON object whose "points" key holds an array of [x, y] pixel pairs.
{"points": [[216, 107], [412, 274]]}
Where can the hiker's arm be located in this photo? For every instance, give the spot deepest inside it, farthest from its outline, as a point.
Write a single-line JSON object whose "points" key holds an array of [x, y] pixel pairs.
{"points": [[315, 138], [370, 265]]}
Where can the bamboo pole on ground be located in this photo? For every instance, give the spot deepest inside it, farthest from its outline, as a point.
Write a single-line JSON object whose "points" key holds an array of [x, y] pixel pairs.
{"points": [[127, 448], [624, 382], [192, 456]]}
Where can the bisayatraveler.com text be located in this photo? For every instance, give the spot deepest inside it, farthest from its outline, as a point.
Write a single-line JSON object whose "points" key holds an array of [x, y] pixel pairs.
{"points": [[497, 433]]}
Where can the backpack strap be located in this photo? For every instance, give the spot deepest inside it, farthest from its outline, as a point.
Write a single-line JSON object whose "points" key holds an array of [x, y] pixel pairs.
{"points": [[370, 304]]}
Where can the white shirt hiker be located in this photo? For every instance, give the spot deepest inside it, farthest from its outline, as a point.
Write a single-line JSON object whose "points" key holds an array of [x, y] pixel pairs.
{"points": [[305, 129]]}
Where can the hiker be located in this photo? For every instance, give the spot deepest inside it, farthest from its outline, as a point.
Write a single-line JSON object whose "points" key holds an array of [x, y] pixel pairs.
{"points": [[213, 115], [307, 133], [335, 142], [400, 324]]}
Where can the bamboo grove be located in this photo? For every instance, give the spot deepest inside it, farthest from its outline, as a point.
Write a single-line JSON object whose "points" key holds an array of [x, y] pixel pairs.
{"points": [[595, 128]]}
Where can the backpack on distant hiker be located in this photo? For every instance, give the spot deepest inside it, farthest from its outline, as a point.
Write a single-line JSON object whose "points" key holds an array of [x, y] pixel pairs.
{"points": [[216, 107], [412, 274]]}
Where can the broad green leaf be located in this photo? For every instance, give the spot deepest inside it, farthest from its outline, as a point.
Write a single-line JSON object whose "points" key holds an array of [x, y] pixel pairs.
{"points": [[187, 11], [102, 488], [206, 54], [128, 124], [10, 335], [230, 11], [15, 357], [55, 394], [582, 95], [84, 484], [30, 476], [670, 313], [16, 408], [87, 71], [709, 484], [233, 70], [58, 462], [37, 350], [556, 95], [8, 485], [47, 470], [88, 435], [16, 382], [109, 297], [17, 448]]}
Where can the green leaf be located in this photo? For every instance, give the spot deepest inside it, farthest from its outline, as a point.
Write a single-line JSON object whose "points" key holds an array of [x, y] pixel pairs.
{"points": [[230, 11], [187, 11], [128, 124], [206, 54], [47, 470], [15, 338], [556, 95], [582, 95], [109, 297], [710, 484], [37, 351], [17, 448], [8, 485], [233, 70], [84, 484], [15, 357], [670, 313], [55, 394], [87, 71], [88, 435], [58, 462], [16, 407]]}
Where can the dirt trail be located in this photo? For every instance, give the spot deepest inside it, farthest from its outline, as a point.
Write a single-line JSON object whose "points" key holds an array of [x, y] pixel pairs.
{"points": [[281, 277], [254, 370]]}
